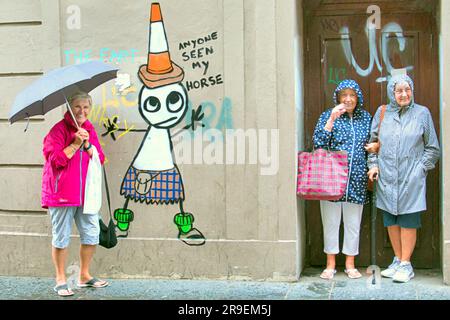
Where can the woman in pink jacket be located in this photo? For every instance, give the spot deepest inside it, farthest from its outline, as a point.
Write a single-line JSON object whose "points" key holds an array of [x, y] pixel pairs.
{"points": [[67, 151]]}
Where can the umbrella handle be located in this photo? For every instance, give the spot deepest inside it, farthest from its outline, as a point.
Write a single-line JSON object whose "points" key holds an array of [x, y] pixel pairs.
{"points": [[70, 111], [28, 122]]}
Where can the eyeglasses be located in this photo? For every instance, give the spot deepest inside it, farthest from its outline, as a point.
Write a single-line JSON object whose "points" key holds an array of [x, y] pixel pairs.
{"points": [[407, 90]]}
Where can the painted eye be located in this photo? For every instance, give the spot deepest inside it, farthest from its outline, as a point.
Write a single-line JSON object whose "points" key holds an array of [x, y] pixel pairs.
{"points": [[152, 104], [175, 101]]}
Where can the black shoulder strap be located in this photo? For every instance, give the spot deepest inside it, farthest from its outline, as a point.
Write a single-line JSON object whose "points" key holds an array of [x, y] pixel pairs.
{"points": [[107, 192]]}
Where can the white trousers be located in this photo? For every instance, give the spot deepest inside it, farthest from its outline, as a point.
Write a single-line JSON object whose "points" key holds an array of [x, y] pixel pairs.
{"points": [[331, 220]]}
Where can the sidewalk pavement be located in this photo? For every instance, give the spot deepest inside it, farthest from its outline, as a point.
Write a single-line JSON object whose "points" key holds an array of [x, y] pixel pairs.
{"points": [[427, 285]]}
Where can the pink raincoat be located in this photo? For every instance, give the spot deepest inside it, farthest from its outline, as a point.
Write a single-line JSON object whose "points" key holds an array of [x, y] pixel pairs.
{"points": [[64, 179]]}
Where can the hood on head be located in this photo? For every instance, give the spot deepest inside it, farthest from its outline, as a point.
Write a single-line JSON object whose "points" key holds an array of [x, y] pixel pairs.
{"points": [[349, 84], [391, 87]]}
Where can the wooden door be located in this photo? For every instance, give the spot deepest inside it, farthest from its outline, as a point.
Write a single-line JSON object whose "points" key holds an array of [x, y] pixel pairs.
{"points": [[342, 40]]}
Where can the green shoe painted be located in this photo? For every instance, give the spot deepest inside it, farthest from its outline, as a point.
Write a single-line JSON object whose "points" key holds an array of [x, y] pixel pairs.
{"points": [[184, 221], [123, 218]]}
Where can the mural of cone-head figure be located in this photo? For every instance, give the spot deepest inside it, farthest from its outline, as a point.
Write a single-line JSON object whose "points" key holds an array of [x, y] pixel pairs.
{"points": [[153, 176]]}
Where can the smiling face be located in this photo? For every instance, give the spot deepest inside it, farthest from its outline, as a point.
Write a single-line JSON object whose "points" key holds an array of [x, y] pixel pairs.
{"points": [[163, 107], [349, 98], [80, 109], [403, 94]]}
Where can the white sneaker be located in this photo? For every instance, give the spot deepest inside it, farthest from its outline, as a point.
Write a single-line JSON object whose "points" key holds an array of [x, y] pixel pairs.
{"points": [[392, 269], [404, 272]]}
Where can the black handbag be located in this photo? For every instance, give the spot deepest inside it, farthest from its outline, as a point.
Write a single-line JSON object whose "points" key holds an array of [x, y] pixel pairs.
{"points": [[108, 238]]}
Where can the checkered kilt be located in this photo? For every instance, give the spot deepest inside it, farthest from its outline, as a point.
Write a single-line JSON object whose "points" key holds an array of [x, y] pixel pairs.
{"points": [[165, 186], [322, 174]]}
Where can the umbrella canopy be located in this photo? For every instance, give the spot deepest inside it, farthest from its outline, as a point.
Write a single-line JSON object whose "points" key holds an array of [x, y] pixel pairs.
{"points": [[52, 89]]}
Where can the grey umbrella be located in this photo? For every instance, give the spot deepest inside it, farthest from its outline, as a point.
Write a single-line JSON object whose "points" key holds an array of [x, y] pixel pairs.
{"points": [[53, 88]]}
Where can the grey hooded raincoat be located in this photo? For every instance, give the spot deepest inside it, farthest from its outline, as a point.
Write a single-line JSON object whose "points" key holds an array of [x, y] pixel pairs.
{"points": [[409, 148]]}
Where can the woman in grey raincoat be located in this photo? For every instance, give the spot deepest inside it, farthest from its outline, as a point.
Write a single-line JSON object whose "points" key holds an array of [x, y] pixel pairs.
{"points": [[408, 150]]}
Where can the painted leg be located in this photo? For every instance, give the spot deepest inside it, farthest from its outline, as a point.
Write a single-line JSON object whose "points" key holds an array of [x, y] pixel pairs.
{"points": [[123, 216], [186, 232]]}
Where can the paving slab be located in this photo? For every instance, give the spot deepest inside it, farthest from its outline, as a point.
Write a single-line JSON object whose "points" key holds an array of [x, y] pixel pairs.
{"points": [[427, 285]]}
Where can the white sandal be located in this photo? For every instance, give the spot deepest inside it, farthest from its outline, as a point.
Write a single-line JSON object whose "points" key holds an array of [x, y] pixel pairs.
{"points": [[353, 273], [328, 274], [63, 290]]}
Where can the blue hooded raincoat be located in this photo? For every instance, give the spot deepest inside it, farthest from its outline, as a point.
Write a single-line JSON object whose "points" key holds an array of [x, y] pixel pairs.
{"points": [[350, 134]]}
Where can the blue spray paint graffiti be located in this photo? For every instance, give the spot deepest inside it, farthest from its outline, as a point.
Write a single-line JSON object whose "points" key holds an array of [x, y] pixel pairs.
{"points": [[105, 54], [222, 122]]}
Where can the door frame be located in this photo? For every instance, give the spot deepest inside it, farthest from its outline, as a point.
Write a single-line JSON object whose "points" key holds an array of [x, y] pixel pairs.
{"points": [[327, 7]]}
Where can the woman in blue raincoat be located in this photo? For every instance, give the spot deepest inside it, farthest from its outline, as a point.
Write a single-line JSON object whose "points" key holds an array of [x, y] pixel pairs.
{"points": [[345, 127]]}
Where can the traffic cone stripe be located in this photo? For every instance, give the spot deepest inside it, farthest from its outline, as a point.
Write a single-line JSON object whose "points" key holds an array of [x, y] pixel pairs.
{"points": [[158, 41], [159, 63], [155, 13]]}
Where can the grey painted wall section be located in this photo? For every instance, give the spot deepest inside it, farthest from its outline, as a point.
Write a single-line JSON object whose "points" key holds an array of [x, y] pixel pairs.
{"points": [[249, 219], [30, 33]]}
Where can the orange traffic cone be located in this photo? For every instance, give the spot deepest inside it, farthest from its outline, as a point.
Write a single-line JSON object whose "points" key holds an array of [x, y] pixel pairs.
{"points": [[159, 70]]}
